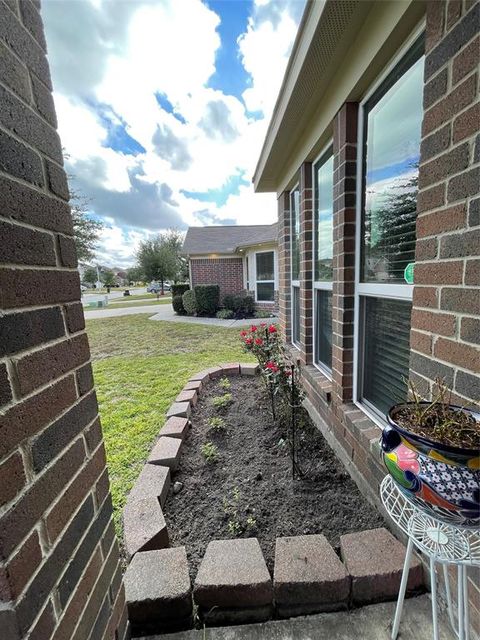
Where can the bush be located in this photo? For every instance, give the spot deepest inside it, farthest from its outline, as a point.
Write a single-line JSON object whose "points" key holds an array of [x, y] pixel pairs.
{"points": [[229, 302], [244, 305], [177, 304], [189, 301], [179, 289], [260, 314], [208, 298], [225, 314]]}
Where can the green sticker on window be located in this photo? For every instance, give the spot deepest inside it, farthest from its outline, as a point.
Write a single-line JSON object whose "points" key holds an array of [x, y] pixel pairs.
{"points": [[408, 273]]}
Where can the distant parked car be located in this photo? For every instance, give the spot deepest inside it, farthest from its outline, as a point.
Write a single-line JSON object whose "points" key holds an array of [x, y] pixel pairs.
{"points": [[154, 287]]}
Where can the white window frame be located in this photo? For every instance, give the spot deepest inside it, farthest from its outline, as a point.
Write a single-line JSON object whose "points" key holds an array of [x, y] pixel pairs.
{"points": [[272, 302], [293, 283], [364, 289], [325, 286]]}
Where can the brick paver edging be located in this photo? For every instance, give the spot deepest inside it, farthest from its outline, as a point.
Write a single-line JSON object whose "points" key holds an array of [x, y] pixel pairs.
{"points": [[233, 584]]}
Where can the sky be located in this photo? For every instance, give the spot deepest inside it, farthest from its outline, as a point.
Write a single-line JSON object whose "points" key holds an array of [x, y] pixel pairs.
{"points": [[163, 106]]}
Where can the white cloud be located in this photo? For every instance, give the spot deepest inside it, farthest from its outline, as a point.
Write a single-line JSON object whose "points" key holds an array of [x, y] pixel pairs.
{"points": [[135, 50]]}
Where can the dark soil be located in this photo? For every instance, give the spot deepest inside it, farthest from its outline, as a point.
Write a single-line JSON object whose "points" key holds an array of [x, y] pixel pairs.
{"points": [[252, 476], [441, 423]]}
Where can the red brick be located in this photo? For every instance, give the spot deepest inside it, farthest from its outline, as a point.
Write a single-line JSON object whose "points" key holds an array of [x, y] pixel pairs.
{"points": [[438, 323], [444, 166], [68, 252], [72, 496], [426, 249], [435, 23], [45, 624], [30, 416], [20, 519], [12, 477], [439, 273], [470, 330], [431, 198], [459, 98], [421, 342], [5, 388], [454, 12], [22, 245], [23, 564], [466, 124], [466, 61], [463, 355], [472, 273], [35, 369], [75, 317], [438, 222], [25, 287], [460, 300]]}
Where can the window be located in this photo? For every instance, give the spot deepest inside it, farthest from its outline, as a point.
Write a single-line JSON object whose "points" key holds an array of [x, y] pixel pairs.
{"points": [[295, 263], [323, 257], [265, 276], [391, 133], [247, 274]]}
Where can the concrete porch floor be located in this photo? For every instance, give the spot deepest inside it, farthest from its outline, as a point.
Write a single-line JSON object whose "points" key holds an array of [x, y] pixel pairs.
{"points": [[367, 623]]}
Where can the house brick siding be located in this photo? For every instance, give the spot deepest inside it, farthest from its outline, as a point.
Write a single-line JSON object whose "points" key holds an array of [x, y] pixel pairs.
{"points": [[58, 554], [445, 324], [226, 272]]}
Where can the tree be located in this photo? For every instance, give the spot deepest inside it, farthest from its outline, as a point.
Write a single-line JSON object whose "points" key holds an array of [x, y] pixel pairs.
{"points": [[158, 258], [86, 230], [90, 275], [175, 240], [108, 278], [134, 274]]}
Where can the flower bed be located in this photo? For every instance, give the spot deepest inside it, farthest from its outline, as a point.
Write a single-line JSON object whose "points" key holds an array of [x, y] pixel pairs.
{"points": [[236, 477]]}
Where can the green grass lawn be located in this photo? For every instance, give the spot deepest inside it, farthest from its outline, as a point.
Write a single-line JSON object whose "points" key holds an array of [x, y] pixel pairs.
{"points": [[141, 296], [140, 303], [140, 366]]}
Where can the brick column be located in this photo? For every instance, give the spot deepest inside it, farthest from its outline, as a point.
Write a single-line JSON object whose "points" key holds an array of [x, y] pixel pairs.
{"points": [[345, 166], [446, 301], [284, 264], [306, 256], [60, 574]]}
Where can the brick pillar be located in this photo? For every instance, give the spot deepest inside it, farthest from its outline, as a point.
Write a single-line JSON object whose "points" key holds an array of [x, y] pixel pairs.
{"points": [[345, 167], [306, 255], [284, 280], [60, 575], [446, 302]]}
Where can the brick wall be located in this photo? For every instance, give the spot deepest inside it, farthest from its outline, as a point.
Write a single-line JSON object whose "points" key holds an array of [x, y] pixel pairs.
{"points": [[60, 575], [226, 272], [306, 264], [446, 301]]}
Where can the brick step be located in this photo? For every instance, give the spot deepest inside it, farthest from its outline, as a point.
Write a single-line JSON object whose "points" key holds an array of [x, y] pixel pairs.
{"points": [[166, 452], [144, 527], [158, 591]]}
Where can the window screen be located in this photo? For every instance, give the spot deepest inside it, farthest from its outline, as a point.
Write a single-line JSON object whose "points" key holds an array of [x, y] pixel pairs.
{"points": [[323, 328]]}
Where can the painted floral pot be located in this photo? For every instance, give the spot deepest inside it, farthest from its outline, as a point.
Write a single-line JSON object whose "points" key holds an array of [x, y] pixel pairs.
{"points": [[442, 480]]}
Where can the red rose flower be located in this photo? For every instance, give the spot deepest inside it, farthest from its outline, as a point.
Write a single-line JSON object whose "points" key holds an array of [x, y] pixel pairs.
{"points": [[258, 341], [253, 328], [248, 341], [263, 325], [272, 329], [272, 367], [243, 333]]}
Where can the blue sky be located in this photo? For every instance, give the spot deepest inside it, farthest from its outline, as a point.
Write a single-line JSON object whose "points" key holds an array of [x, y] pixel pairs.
{"points": [[163, 107]]}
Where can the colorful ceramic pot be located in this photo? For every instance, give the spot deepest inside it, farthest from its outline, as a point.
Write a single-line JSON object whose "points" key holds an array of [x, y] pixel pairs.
{"points": [[442, 480]]}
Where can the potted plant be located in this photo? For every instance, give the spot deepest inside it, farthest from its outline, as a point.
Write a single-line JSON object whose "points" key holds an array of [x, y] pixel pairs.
{"points": [[432, 451]]}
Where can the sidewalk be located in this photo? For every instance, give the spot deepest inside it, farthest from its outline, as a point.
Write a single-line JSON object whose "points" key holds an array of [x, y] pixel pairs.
{"points": [[366, 623]]}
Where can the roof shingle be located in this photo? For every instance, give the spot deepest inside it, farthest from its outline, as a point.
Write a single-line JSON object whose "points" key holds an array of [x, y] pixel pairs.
{"points": [[227, 238]]}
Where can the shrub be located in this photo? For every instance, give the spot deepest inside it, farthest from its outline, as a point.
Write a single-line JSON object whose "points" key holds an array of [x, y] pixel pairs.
{"points": [[209, 451], [217, 424], [229, 301], [189, 301], [244, 305], [179, 289], [224, 383], [261, 314], [225, 314], [222, 402], [177, 304], [208, 298]]}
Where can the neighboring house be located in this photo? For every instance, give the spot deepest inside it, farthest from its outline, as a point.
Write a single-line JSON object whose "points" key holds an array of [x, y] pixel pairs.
{"points": [[236, 258], [373, 151]]}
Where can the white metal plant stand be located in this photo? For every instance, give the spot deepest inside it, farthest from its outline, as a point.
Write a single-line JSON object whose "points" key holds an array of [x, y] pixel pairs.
{"points": [[444, 544]]}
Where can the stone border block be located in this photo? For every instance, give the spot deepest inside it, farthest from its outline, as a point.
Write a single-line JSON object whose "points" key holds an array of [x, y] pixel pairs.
{"points": [[166, 452], [308, 577], [153, 480], [175, 427], [144, 527], [187, 395], [181, 409], [158, 591], [234, 579], [193, 384], [249, 369], [374, 559], [230, 369]]}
